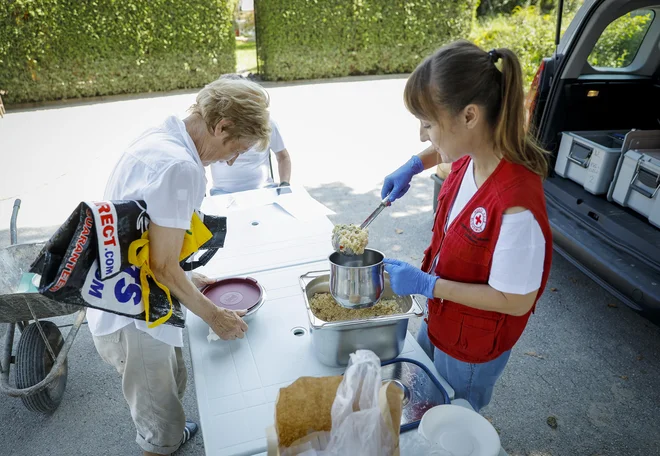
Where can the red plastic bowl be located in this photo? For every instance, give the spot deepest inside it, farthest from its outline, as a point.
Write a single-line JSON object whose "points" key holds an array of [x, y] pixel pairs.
{"points": [[236, 293]]}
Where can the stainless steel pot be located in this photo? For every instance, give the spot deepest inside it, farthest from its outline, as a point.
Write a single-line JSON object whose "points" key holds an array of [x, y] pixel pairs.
{"points": [[357, 281], [333, 342]]}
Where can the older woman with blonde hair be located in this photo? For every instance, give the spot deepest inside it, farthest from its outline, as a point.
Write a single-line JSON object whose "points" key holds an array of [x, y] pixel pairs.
{"points": [[165, 168]]}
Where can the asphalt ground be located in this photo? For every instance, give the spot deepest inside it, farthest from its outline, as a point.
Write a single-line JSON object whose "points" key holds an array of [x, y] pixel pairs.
{"points": [[583, 379]]}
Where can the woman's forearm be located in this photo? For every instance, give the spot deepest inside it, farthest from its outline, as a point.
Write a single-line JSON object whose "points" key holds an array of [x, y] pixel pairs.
{"points": [[164, 247], [430, 157], [180, 286], [284, 166], [484, 297]]}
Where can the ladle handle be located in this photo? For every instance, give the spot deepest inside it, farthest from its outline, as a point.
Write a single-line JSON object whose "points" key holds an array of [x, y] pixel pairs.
{"points": [[374, 214]]}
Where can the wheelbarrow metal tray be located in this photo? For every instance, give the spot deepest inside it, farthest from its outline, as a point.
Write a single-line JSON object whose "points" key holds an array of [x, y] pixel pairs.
{"points": [[15, 307]]}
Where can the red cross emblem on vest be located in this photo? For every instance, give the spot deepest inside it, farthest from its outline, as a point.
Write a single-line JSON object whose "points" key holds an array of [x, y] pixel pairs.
{"points": [[478, 220]]}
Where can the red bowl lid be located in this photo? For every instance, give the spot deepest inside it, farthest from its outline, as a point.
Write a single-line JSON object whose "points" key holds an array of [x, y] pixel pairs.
{"points": [[235, 293]]}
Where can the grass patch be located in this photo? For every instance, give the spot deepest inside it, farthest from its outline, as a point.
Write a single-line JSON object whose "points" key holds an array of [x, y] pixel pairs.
{"points": [[246, 56]]}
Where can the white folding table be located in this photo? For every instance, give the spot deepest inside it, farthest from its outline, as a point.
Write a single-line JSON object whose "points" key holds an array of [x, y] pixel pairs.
{"points": [[237, 382]]}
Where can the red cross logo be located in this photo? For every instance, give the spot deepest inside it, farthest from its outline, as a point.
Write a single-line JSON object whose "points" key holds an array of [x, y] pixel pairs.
{"points": [[478, 220]]}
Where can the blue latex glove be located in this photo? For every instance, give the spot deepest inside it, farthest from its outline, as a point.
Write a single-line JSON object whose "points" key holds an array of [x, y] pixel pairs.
{"points": [[397, 184], [406, 279]]}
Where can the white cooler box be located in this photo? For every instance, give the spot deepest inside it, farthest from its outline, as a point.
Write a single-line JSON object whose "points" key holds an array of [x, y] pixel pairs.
{"points": [[638, 183], [592, 158]]}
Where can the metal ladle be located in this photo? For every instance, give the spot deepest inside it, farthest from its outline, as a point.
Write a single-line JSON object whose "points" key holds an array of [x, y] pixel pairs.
{"points": [[348, 251]]}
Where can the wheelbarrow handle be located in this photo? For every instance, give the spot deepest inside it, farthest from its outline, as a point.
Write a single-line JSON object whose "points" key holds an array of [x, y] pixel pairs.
{"points": [[12, 227]]}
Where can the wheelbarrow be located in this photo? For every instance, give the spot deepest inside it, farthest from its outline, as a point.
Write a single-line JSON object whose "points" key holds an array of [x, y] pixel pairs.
{"points": [[40, 360]]}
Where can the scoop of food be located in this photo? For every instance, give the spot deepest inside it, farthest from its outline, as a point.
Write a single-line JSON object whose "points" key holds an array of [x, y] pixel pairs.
{"points": [[349, 239], [353, 239]]}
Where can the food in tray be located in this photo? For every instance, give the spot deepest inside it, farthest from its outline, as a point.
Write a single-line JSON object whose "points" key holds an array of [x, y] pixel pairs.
{"points": [[327, 309], [351, 237]]}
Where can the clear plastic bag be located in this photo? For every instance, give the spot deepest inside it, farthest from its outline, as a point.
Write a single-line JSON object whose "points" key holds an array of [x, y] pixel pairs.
{"points": [[365, 416], [364, 430]]}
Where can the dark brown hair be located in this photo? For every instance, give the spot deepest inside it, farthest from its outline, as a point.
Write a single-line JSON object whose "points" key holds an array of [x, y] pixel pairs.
{"points": [[460, 74]]}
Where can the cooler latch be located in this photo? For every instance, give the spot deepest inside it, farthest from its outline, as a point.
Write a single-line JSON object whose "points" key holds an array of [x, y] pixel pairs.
{"points": [[580, 154], [645, 181]]}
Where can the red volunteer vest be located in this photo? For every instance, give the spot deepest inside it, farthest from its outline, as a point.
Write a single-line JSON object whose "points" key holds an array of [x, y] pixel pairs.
{"points": [[466, 253]]}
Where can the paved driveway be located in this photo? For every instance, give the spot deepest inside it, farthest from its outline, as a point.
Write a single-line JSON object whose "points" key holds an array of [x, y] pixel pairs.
{"points": [[586, 360]]}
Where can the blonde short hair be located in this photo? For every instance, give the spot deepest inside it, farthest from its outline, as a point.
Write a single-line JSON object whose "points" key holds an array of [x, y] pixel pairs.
{"points": [[243, 102]]}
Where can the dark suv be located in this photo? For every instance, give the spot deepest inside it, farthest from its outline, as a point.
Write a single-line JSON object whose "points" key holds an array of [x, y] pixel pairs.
{"points": [[604, 77]]}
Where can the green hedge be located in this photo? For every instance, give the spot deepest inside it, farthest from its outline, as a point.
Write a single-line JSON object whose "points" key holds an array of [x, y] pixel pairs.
{"points": [[305, 39], [488, 8], [619, 43], [492, 7], [531, 34], [57, 49]]}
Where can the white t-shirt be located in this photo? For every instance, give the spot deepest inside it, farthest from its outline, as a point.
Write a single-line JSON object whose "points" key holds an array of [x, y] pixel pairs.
{"points": [[250, 170], [517, 266], [162, 167]]}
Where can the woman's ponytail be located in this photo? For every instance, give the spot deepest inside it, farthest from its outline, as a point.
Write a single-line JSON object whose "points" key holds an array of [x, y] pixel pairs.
{"points": [[511, 136]]}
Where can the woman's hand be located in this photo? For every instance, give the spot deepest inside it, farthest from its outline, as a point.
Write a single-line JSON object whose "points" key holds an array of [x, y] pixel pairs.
{"points": [[228, 324], [397, 184], [406, 279], [201, 281]]}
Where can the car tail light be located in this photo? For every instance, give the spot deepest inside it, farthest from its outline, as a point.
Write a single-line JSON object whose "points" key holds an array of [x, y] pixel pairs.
{"points": [[533, 94]]}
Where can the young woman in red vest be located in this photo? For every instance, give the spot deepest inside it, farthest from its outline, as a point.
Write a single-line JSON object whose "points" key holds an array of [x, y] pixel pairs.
{"points": [[491, 247]]}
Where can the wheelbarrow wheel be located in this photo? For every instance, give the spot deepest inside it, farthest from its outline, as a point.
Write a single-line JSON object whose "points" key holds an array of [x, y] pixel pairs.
{"points": [[34, 362]]}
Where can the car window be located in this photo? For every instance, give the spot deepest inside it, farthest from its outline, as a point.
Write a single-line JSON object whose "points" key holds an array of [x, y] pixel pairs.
{"points": [[620, 41]]}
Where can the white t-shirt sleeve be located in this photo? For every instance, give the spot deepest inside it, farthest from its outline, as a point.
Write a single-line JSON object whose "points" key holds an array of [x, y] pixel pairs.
{"points": [[519, 255], [171, 197], [276, 141]]}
